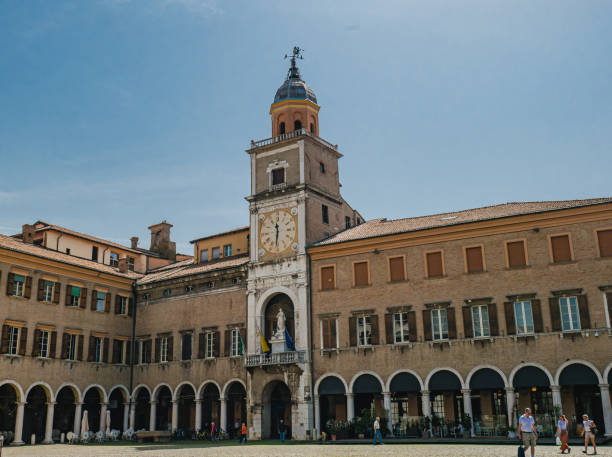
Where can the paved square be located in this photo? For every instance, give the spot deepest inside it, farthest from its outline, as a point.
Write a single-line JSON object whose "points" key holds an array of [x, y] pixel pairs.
{"points": [[275, 450]]}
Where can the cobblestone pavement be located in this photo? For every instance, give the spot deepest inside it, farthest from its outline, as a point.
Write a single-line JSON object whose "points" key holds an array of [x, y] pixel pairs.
{"points": [[275, 450]]}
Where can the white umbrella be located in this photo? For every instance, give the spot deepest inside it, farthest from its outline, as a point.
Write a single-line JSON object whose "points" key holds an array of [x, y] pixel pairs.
{"points": [[108, 422], [84, 424]]}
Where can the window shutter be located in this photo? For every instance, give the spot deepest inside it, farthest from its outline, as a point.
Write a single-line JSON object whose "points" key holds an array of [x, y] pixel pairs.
{"points": [[68, 294], [41, 289], [216, 344], [332, 333], [170, 348], [509, 314], [115, 358], [467, 321], [117, 304], [5, 339], [396, 269], [10, 283], [493, 325], [105, 349], [561, 248], [327, 278], [474, 259], [609, 300], [80, 350], [27, 293], [56, 293], [434, 264], [23, 340], [243, 336], [452, 323], [65, 338], [130, 306], [361, 273], [427, 324], [353, 331], [83, 299], [536, 311], [128, 352], [201, 345], [53, 344], [374, 326], [325, 333], [583, 309], [36, 345], [389, 328], [107, 302], [94, 300], [412, 329], [604, 237], [227, 336], [555, 314], [516, 254], [92, 348]]}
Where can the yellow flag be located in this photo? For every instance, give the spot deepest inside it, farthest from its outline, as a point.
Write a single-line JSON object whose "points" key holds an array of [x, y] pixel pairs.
{"points": [[265, 348]]}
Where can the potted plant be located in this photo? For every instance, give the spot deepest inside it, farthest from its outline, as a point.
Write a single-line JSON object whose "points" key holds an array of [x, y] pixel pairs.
{"points": [[466, 423]]}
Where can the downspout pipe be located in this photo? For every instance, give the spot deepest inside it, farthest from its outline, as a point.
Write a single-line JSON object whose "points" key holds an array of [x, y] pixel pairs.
{"points": [[133, 345], [311, 343]]}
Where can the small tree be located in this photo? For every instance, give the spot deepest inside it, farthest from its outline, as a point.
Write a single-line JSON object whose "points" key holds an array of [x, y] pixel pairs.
{"points": [[466, 422]]}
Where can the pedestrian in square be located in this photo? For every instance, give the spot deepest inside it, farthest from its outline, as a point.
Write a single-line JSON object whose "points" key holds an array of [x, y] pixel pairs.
{"points": [[562, 426], [213, 431], [281, 430], [527, 431], [377, 434], [243, 433], [588, 431]]}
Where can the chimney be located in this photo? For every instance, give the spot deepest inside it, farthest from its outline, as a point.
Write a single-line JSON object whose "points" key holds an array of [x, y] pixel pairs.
{"points": [[123, 265], [27, 232], [160, 240], [134, 241]]}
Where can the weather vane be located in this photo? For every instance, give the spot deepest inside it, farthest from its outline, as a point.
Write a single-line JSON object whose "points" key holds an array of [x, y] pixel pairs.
{"points": [[297, 53], [293, 72]]}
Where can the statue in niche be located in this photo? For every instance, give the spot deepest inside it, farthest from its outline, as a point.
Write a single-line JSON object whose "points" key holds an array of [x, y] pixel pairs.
{"points": [[280, 324]]}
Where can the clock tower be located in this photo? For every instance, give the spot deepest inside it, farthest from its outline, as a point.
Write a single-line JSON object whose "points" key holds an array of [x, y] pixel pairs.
{"points": [[295, 200]]}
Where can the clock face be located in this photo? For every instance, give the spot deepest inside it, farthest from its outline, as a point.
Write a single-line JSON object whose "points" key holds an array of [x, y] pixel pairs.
{"points": [[277, 232]]}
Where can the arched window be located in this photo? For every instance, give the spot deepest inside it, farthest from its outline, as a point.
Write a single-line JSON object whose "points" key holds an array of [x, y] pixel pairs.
{"points": [[297, 125], [312, 128], [282, 128]]}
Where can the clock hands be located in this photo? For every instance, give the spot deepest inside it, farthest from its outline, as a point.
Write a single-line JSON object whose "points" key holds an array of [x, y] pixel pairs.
{"points": [[276, 227]]}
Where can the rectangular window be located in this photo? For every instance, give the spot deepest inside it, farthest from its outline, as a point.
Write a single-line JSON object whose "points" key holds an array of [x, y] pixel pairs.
{"points": [[94, 253], [75, 296], [13, 340], [209, 348], [114, 259], [435, 268], [236, 349], [186, 346], [570, 317], [163, 349], [396, 269], [328, 278], [227, 250], [48, 289], [120, 357], [123, 305], [278, 176], [360, 272], [204, 255], [216, 253], [437, 405], [100, 301], [439, 324], [347, 222], [130, 263], [604, 238], [400, 327], [516, 254], [473, 259], [72, 346], [321, 167], [523, 317], [480, 321], [98, 343], [325, 214], [364, 331], [44, 343], [561, 250], [18, 285], [328, 329]]}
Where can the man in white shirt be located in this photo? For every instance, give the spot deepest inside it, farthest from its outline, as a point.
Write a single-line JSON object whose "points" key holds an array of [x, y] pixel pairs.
{"points": [[377, 434], [527, 431]]}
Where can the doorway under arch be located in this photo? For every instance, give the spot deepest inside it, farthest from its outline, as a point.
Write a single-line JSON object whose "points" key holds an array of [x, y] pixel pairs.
{"points": [[8, 407], [276, 406], [63, 415], [143, 410], [163, 419], [116, 407], [35, 414], [236, 407], [581, 395]]}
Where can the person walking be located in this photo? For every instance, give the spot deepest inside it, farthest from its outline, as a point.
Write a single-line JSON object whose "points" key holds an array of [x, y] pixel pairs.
{"points": [[281, 430], [562, 426], [377, 434], [588, 431], [243, 433], [213, 431], [527, 431]]}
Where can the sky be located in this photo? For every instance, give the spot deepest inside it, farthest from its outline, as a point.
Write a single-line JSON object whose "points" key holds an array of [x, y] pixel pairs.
{"points": [[117, 114]]}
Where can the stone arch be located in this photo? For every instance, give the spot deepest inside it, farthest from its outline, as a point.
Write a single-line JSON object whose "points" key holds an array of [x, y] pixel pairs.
{"points": [[158, 387], [18, 389], [176, 393], [577, 362], [75, 390], [529, 364], [226, 386], [606, 373], [437, 370], [203, 386], [123, 389], [402, 370], [468, 378], [46, 387], [137, 388], [327, 375], [358, 374], [101, 391], [269, 294]]}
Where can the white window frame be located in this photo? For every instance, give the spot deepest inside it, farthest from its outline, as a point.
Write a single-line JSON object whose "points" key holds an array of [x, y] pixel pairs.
{"points": [[44, 343], [525, 328], [48, 290], [574, 321], [201, 252], [14, 335], [478, 313], [440, 317], [400, 322], [209, 345], [73, 341], [235, 339], [227, 250], [364, 331], [218, 250], [163, 349], [74, 300], [98, 349], [123, 305], [114, 259], [98, 308], [130, 263], [19, 286]]}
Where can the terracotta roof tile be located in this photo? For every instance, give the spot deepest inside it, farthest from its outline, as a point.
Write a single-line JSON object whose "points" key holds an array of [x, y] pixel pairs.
{"points": [[187, 267], [382, 227]]}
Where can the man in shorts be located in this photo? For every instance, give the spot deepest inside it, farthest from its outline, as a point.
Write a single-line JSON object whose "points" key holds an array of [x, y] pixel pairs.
{"points": [[527, 431]]}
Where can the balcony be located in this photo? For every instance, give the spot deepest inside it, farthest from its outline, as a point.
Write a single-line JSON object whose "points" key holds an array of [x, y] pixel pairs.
{"points": [[289, 135], [276, 358]]}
